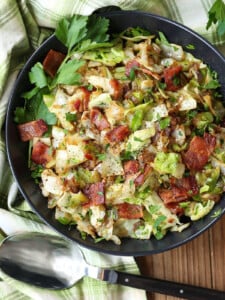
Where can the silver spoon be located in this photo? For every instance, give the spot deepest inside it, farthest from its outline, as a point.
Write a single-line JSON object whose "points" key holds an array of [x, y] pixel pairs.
{"points": [[52, 262]]}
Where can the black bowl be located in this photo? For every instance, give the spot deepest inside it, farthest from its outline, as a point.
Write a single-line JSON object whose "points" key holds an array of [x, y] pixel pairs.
{"points": [[17, 150]]}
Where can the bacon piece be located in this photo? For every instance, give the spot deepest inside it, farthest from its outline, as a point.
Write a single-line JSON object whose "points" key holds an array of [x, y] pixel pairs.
{"points": [[189, 183], [71, 184], [199, 152], [210, 142], [142, 177], [117, 88], [98, 119], [118, 134], [82, 100], [131, 65], [170, 74], [78, 105], [175, 208], [131, 167], [52, 62], [180, 190], [41, 153], [95, 193], [173, 195], [129, 211], [32, 129]]}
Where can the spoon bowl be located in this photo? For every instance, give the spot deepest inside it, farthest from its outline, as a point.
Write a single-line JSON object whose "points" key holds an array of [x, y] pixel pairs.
{"points": [[42, 260]]}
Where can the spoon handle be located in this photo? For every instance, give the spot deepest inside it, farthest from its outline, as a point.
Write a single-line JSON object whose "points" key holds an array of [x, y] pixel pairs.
{"points": [[162, 286]]}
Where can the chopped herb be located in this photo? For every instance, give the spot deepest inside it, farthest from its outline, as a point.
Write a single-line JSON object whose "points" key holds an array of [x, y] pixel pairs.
{"points": [[164, 123], [71, 117], [101, 193], [163, 39], [136, 139], [132, 73], [190, 47], [83, 235], [217, 213], [97, 240], [101, 156]]}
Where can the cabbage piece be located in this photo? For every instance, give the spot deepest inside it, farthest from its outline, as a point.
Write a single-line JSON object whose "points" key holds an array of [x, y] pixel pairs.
{"points": [[58, 135], [117, 193], [139, 139], [169, 163], [63, 217], [173, 51], [208, 178], [158, 112], [114, 112], [133, 228], [51, 183], [85, 176], [110, 166], [159, 217], [216, 163], [202, 120], [102, 100], [69, 201], [108, 56], [197, 210]]}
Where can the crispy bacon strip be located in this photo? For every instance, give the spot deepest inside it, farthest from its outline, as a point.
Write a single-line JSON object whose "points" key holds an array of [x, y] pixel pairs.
{"points": [[81, 103], [180, 190], [52, 62], [95, 193], [131, 167], [199, 151], [32, 129], [170, 74], [117, 88], [41, 153], [175, 208], [98, 119], [129, 211], [118, 134], [142, 177], [173, 195], [131, 65]]}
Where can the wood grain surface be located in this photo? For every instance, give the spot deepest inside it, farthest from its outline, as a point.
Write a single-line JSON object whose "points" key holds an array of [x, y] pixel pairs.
{"points": [[199, 262]]}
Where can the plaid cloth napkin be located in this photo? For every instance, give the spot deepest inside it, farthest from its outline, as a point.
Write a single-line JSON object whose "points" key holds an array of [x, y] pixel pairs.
{"points": [[24, 24]]}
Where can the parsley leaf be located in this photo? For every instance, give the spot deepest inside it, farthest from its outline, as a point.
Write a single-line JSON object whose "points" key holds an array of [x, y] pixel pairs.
{"points": [[71, 32], [216, 15], [35, 109], [37, 76], [82, 32], [190, 47], [97, 29], [67, 72]]}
